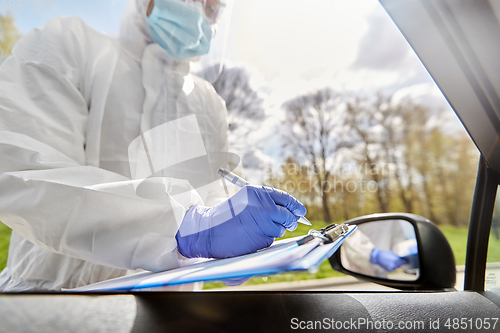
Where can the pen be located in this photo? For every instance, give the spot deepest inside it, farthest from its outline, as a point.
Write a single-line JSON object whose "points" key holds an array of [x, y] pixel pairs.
{"points": [[240, 182]]}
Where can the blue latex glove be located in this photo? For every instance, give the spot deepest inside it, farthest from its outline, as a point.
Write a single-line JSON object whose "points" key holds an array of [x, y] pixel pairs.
{"points": [[388, 260], [247, 222]]}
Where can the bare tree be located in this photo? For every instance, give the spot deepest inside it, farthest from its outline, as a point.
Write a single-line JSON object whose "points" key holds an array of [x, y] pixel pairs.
{"points": [[452, 159], [424, 169], [244, 105], [314, 130], [366, 121], [404, 123], [391, 133]]}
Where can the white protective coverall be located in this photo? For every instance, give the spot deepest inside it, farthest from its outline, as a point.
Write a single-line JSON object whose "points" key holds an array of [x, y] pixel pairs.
{"points": [[382, 235], [72, 101]]}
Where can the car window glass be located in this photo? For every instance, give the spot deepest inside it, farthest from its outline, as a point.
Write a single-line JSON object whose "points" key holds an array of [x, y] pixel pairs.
{"points": [[492, 277], [326, 101]]}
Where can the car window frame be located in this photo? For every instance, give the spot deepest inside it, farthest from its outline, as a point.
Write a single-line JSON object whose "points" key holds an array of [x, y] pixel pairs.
{"points": [[483, 204]]}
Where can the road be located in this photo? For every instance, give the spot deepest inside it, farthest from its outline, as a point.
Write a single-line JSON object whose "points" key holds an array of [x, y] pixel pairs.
{"points": [[347, 283]]}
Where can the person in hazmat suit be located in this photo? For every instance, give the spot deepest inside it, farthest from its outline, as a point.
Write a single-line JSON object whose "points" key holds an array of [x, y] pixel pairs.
{"points": [[86, 119], [378, 247]]}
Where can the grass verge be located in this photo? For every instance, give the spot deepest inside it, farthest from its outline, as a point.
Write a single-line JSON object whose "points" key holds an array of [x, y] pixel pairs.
{"points": [[4, 244]]}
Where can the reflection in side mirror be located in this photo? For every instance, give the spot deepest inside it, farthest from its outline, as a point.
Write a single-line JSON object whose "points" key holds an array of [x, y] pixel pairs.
{"points": [[398, 250], [383, 249]]}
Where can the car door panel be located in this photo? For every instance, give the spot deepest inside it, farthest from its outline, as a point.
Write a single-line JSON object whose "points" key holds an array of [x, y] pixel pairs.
{"points": [[246, 311]]}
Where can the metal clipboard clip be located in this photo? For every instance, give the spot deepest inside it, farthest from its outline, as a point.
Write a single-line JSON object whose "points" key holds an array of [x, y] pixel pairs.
{"points": [[331, 232]]}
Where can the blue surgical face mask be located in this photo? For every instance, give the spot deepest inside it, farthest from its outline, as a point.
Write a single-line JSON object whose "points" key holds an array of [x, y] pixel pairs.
{"points": [[181, 28]]}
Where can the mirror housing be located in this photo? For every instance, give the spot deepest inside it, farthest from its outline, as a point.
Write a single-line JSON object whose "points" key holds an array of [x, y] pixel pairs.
{"points": [[436, 259]]}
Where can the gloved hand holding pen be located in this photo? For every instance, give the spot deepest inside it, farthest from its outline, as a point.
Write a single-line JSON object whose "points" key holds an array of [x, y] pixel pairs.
{"points": [[245, 223]]}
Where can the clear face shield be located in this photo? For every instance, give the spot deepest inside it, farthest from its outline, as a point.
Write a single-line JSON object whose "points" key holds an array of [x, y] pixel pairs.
{"points": [[218, 13], [213, 9]]}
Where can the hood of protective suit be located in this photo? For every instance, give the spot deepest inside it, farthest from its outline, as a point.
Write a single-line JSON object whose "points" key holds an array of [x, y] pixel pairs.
{"points": [[134, 31]]}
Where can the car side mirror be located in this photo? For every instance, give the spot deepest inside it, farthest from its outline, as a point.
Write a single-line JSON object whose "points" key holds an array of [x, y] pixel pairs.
{"points": [[398, 250]]}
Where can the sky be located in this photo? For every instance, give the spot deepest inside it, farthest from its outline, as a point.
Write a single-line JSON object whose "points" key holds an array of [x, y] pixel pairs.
{"points": [[103, 15], [292, 46]]}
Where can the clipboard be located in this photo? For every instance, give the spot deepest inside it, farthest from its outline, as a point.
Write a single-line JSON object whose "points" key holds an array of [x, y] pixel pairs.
{"points": [[293, 254]]}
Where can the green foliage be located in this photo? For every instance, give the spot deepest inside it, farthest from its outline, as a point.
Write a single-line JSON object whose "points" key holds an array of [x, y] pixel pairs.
{"points": [[494, 249], [457, 237], [4, 244], [9, 35]]}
